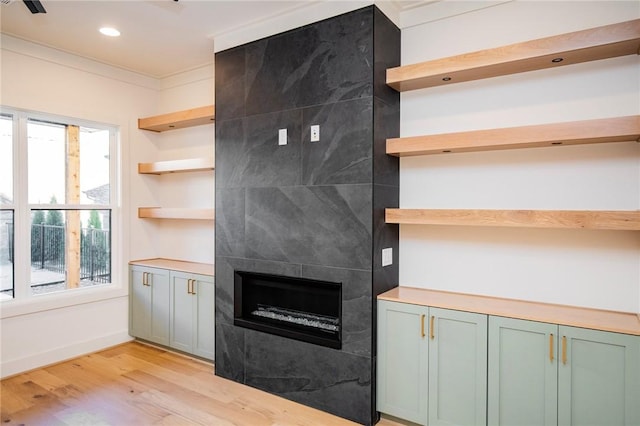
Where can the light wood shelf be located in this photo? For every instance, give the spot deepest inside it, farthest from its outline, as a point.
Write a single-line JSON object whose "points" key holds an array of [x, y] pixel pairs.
{"points": [[597, 319], [175, 213], [581, 46], [617, 129], [176, 265], [176, 166], [179, 119], [568, 219]]}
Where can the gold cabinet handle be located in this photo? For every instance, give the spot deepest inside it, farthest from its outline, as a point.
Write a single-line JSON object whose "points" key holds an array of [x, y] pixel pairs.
{"points": [[432, 332], [193, 287], [564, 350], [551, 347], [422, 325], [145, 278], [189, 283]]}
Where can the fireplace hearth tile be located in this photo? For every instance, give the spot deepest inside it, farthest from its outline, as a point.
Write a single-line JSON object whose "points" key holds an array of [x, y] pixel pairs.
{"points": [[300, 225], [229, 134], [230, 222], [330, 64], [230, 344], [320, 377], [230, 80], [344, 153]]}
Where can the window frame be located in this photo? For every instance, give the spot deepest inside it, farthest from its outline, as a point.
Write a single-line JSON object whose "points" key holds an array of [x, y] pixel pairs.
{"points": [[24, 301]]}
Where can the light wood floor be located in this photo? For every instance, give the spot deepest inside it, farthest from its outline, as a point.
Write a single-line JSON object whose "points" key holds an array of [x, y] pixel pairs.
{"points": [[135, 384]]}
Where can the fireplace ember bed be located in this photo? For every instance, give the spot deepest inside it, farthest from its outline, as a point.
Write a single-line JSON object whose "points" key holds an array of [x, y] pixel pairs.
{"points": [[293, 307]]}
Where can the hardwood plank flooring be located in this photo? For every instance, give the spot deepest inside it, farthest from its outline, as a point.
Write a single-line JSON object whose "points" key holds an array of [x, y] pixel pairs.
{"points": [[136, 384]]}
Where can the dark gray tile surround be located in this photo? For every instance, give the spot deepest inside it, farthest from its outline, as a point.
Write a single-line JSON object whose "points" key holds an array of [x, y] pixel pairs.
{"points": [[311, 210]]}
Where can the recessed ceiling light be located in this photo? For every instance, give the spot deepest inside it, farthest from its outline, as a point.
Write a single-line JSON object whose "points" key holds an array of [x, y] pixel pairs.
{"points": [[108, 31]]}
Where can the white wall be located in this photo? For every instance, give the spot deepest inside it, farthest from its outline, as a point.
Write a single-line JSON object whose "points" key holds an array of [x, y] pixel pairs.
{"points": [[51, 328], [599, 269]]}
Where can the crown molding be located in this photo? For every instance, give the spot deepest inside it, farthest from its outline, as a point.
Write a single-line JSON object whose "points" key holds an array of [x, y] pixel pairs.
{"points": [[70, 60]]}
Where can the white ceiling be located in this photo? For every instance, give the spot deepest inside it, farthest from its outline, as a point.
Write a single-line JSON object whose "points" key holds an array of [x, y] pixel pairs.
{"points": [[159, 37]]}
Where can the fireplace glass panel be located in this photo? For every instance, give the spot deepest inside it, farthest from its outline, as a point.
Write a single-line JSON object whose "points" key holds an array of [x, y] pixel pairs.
{"points": [[297, 308]]}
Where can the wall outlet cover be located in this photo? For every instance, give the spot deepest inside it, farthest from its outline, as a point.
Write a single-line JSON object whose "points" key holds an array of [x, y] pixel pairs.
{"points": [[387, 256], [315, 133], [282, 137]]}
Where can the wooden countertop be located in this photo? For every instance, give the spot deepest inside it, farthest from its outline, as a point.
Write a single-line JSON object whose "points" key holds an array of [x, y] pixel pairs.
{"points": [[619, 322], [176, 265]]}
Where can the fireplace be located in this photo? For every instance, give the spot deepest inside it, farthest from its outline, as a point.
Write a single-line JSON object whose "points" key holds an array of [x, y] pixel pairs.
{"points": [[297, 308]]}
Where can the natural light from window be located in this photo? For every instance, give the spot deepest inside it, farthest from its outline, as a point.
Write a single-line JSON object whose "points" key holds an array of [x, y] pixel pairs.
{"points": [[66, 199]]}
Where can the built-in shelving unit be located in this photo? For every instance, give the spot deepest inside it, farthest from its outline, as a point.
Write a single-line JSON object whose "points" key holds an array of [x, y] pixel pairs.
{"points": [[581, 46], [178, 120], [176, 166], [175, 213], [568, 219], [617, 129], [588, 45]]}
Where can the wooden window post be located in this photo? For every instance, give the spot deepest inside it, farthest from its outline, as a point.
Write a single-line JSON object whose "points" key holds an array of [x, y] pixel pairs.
{"points": [[73, 230]]}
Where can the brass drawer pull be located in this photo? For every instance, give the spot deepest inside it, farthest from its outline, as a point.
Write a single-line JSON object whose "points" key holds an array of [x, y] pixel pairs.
{"points": [[433, 335]]}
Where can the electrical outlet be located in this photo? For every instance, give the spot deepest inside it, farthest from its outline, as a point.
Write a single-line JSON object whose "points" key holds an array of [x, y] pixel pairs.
{"points": [[282, 137], [315, 133], [387, 256]]}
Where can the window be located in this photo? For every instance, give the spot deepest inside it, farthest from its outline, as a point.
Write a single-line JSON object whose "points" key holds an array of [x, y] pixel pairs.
{"points": [[56, 191], [6, 207]]}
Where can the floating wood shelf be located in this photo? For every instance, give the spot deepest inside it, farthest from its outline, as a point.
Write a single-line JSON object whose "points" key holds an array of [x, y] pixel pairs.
{"points": [[570, 219], [176, 166], [581, 46], [618, 129], [174, 213], [179, 119]]}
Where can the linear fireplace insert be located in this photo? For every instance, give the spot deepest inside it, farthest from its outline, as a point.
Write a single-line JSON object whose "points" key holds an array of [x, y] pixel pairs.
{"points": [[297, 308]]}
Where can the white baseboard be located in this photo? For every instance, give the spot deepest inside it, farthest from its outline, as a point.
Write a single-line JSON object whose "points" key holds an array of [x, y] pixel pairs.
{"points": [[13, 367]]}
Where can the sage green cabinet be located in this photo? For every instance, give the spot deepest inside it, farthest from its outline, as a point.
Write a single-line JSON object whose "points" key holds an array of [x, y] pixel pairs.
{"points": [[431, 364], [457, 368], [545, 374], [173, 308], [447, 367], [523, 372], [192, 313], [598, 378], [402, 361], [149, 316]]}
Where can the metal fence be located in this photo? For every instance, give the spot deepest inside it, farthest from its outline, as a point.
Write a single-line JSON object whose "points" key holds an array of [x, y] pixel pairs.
{"points": [[48, 251]]}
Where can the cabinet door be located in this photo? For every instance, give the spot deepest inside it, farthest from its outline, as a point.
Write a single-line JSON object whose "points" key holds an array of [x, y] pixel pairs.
{"points": [[599, 378], [204, 317], [159, 283], [149, 304], [139, 303], [457, 368], [523, 372], [402, 361], [182, 311]]}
